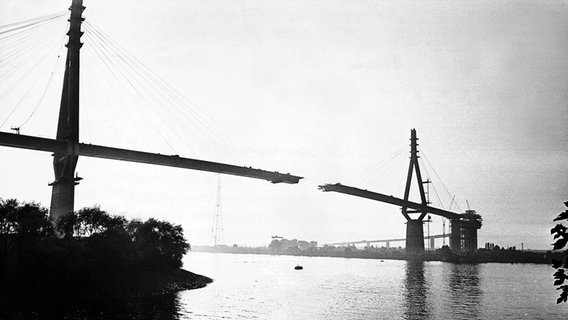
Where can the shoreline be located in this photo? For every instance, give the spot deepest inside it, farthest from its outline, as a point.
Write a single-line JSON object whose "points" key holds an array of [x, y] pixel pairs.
{"points": [[145, 282], [482, 256], [110, 291]]}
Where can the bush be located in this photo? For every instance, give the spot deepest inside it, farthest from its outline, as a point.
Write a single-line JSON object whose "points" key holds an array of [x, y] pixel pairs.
{"points": [[93, 255], [92, 240], [160, 243], [27, 221], [560, 233]]}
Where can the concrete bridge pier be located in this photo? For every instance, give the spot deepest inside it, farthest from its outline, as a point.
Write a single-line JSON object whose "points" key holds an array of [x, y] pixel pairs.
{"points": [[414, 237]]}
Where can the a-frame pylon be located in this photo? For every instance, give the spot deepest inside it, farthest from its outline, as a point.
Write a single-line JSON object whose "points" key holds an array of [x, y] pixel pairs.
{"points": [[464, 226], [414, 230]]}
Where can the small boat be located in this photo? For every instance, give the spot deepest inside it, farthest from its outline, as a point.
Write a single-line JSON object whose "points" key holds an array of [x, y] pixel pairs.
{"points": [[298, 267]]}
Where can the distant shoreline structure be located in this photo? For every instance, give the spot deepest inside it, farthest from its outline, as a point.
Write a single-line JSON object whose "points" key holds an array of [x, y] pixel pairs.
{"points": [[444, 254]]}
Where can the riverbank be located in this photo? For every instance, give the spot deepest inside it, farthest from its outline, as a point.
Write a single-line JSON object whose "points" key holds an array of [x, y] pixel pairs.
{"points": [[54, 297], [90, 257], [481, 256], [138, 283]]}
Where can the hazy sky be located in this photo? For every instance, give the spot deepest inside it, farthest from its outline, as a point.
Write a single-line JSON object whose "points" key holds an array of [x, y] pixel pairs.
{"points": [[321, 89]]}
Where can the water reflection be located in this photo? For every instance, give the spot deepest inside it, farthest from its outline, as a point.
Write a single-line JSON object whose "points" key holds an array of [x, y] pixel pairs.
{"points": [[457, 290], [465, 291], [159, 306], [415, 292]]}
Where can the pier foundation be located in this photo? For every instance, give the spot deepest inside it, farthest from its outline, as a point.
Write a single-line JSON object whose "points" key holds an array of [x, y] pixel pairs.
{"points": [[414, 236]]}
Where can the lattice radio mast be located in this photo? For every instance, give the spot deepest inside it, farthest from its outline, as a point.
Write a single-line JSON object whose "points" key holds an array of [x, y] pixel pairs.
{"points": [[218, 233]]}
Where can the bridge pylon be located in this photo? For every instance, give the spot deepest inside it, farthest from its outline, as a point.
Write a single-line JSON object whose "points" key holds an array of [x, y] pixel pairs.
{"points": [[463, 237], [64, 163], [414, 228]]}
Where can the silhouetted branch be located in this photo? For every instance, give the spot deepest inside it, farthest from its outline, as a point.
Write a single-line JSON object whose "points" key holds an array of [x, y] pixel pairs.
{"points": [[561, 236]]}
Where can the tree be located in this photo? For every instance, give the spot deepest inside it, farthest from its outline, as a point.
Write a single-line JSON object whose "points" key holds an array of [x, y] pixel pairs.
{"points": [[160, 241], [7, 216], [560, 233], [66, 225], [27, 220], [275, 245], [90, 221]]}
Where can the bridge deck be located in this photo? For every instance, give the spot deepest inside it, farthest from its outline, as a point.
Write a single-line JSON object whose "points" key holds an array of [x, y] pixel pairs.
{"points": [[338, 187], [89, 150], [437, 236]]}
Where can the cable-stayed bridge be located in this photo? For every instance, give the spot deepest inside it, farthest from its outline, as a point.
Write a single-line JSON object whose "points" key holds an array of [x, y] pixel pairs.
{"points": [[67, 148]]}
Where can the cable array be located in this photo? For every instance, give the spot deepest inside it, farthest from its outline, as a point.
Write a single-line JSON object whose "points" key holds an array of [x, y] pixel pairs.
{"points": [[29, 52], [375, 170], [440, 203], [117, 89], [438, 178], [181, 124]]}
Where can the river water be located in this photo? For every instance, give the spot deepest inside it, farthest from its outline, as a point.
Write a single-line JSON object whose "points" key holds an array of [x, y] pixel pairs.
{"points": [[268, 287]]}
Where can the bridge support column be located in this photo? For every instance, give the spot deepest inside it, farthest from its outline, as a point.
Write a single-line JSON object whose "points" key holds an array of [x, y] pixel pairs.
{"points": [[414, 237], [470, 239], [463, 236], [63, 192], [64, 163], [455, 236], [62, 200]]}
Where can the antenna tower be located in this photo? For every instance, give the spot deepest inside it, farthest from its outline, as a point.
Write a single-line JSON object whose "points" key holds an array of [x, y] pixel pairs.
{"points": [[218, 233]]}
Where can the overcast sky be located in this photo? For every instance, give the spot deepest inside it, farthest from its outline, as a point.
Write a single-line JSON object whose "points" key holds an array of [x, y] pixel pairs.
{"points": [[327, 90]]}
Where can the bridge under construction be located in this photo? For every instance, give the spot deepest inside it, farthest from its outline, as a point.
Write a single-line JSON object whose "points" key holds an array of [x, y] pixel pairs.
{"points": [[463, 227], [66, 149]]}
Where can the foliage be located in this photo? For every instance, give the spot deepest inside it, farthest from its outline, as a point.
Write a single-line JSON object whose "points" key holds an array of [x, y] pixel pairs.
{"points": [[149, 244], [291, 246], [26, 221], [89, 221], [560, 233], [90, 252], [160, 241], [92, 239]]}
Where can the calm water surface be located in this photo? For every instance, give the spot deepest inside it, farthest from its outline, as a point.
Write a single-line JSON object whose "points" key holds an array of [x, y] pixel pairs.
{"points": [[268, 287]]}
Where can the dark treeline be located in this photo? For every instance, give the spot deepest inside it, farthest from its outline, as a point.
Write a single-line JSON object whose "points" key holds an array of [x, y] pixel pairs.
{"points": [[88, 253]]}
